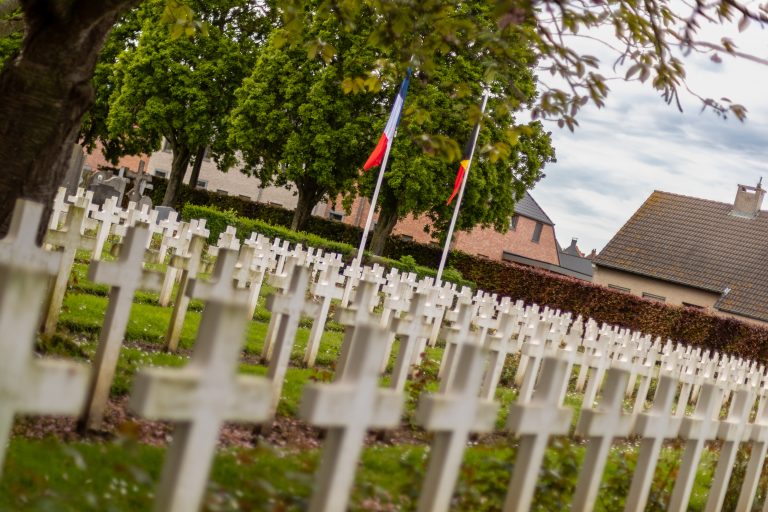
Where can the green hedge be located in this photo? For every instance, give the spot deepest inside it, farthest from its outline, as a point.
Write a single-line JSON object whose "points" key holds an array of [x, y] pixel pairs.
{"points": [[218, 220], [688, 325]]}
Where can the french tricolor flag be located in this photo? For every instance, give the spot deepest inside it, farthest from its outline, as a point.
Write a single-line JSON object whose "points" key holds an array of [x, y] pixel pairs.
{"points": [[389, 131]]}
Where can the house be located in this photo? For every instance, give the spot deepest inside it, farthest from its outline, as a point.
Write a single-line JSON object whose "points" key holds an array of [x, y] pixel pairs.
{"points": [[529, 241], [694, 252]]}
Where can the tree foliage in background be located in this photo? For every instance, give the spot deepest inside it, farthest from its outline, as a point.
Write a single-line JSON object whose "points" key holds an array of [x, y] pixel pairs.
{"points": [[293, 122], [179, 88], [442, 107], [62, 40]]}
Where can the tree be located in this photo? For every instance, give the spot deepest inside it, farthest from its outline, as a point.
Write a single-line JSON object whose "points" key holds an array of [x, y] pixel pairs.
{"points": [[39, 122], [295, 125], [442, 108], [181, 89]]}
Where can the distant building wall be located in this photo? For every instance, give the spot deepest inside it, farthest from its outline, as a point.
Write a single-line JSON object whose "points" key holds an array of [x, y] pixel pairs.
{"points": [[490, 243], [672, 293], [233, 182]]}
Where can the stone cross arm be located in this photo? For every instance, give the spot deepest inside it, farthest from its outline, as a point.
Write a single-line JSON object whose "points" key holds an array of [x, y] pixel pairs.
{"points": [[538, 419], [53, 387], [19, 249], [168, 394], [329, 406], [437, 412]]}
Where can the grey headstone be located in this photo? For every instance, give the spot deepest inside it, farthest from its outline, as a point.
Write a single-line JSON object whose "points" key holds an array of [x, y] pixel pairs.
{"points": [[163, 212]]}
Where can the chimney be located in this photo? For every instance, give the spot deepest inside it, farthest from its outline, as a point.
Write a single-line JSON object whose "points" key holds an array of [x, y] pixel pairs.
{"points": [[748, 201]]}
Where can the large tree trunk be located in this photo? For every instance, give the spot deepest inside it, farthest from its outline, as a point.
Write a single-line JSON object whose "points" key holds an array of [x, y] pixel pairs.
{"points": [[384, 226], [181, 156], [196, 165], [309, 194], [44, 93]]}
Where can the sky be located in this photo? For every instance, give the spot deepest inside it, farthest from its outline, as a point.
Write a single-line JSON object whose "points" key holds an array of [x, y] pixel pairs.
{"points": [[637, 144]]}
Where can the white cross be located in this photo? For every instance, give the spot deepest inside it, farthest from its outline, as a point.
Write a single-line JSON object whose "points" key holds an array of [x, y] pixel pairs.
{"points": [[227, 240], [288, 307], [455, 336], [409, 329], [535, 422], [697, 429], [108, 216], [189, 263], [600, 426], [654, 426], [326, 289], [453, 414], [538, 346], [347, 408], [29, 385], [357, 313], [201, 396], [178, 242], [281, 282], [499, 347], [125, 276], [757, 432], [60, 207], [731, 433], [70, 240]]}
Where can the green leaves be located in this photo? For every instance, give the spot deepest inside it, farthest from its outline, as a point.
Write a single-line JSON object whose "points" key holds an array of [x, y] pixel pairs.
{"points": [[181, 21]]}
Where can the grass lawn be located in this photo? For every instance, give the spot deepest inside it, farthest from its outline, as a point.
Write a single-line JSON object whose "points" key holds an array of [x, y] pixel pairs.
{"points": [[120, 473]]}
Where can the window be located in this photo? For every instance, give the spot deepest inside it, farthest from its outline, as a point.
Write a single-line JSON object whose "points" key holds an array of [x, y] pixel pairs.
{"points": [[407, 238], [689, 305], [334, 215], [537, 232], [166, 146], [513, 222], [221, 191], [160, 173], [652, 296], [207, 155], [618, 288], [202, 184], [247, 198]]}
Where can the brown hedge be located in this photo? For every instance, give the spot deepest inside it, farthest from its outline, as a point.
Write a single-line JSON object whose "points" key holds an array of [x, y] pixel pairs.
{"points": [[688, 325]]}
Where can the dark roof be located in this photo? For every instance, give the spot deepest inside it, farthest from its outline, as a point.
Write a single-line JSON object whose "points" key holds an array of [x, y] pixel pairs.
{"points": [[579, 272], [578, 264], [527, 207], [696, 242]]}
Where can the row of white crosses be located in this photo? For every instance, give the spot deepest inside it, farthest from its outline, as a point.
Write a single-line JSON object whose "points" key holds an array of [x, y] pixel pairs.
{"points": [[481, 331]]}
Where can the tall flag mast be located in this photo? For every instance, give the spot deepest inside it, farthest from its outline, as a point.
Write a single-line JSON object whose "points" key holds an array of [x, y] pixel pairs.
{"points": [[460, 183], [380, 156]]}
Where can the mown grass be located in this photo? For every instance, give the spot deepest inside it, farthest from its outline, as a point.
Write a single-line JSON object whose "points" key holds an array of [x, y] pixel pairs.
{"points": [[121, 475]]}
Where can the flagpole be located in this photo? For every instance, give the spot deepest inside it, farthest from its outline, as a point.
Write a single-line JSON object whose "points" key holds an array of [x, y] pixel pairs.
{"points": [[374, 199], [455, 216]]}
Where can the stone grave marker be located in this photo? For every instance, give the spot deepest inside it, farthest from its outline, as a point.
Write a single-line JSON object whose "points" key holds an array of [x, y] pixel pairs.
{"points": [[198, 398], [600, 426], [535, 422], [288, 307], [189, 264], [409, 329], [696, 430], [125, 276], [30, 385], [326, 289], [453, 414], [347, 408], [70, 239]]}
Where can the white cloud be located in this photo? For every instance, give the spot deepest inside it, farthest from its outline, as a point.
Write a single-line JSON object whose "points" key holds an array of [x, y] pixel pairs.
{"points": [[637, 144]]}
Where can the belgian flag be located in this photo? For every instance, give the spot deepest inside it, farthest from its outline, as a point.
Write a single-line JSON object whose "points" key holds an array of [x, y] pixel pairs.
{"points": [[465, 160]]}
